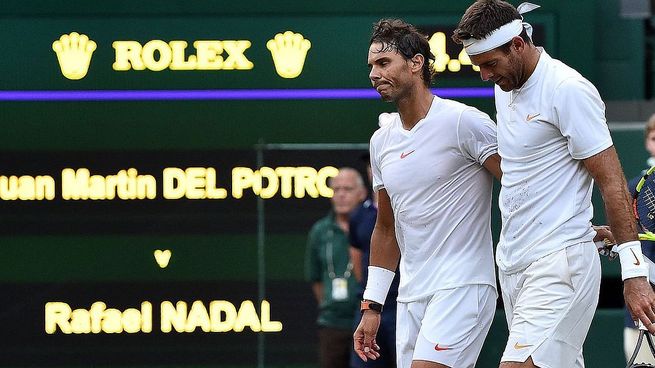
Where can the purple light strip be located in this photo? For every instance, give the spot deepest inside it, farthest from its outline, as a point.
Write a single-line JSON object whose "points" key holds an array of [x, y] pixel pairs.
{"points": [[226, 94]]}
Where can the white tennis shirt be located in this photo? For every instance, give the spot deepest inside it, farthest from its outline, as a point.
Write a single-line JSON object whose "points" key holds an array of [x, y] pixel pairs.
{"points": [[440, 195], [545, 128]]}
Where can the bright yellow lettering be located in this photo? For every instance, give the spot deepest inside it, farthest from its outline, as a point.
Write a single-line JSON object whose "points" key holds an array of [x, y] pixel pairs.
{"points": [[74, 184], [305, 181], [9, 188], [267, 324], [80, 321], [97, 187], [209, 55], [131, 321], [111, 186], [96, 316], [146, 317], [178, 62], [111, 321], [57, 315], [174, 183], [212, 191], [195, 182], [216, 309], [247, 316], [26, 187], [45, 187], [148, 55], [236, 59], [322, 180], [146, 187], [286, 177], [173, 316], [198, 317], [241, 179], [128, 55], [272, 182]]}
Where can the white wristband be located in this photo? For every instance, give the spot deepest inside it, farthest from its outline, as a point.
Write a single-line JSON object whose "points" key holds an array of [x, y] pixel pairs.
{"points": [[632, 260], [378, 284]]}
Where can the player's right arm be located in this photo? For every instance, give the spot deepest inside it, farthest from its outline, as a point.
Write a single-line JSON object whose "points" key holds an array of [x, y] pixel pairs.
{"points": [[639, 297], [384, 246], [385, 255]]}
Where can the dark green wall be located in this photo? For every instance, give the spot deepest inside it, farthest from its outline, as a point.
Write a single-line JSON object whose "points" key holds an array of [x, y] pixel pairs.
{"points": [[587, 34]]}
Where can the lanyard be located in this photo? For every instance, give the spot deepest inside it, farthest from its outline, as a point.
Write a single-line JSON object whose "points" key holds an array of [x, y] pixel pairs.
{"points": [[330, 259]]}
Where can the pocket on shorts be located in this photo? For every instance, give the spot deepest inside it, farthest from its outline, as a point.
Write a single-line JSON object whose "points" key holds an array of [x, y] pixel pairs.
{"points": [[585, 278]]}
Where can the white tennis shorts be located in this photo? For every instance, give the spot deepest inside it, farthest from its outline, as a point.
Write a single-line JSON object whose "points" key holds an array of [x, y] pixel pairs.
{"points": [[448, 327], [549, 307]]}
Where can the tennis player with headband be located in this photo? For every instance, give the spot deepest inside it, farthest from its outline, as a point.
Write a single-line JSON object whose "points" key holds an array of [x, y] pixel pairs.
{"points": [[554, 143]]}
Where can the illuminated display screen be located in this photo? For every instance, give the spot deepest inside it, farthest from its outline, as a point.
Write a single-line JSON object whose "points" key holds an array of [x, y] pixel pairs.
{"points": [[137, 222], [160, 249]]}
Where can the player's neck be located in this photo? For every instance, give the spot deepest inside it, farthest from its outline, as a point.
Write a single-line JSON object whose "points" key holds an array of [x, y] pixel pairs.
{"points": [[531, 61], [414, 106]]}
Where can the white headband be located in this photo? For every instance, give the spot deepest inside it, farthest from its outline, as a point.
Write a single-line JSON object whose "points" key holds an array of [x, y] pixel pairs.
{"points": [[501, 35]]}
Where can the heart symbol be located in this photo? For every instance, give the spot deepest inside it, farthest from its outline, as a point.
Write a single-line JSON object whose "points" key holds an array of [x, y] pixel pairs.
{"points": [[162, 257]]}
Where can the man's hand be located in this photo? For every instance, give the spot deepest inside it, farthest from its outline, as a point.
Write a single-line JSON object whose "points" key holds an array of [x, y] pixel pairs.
{"points": [[640, 301], [364, 337], [604, 234]]}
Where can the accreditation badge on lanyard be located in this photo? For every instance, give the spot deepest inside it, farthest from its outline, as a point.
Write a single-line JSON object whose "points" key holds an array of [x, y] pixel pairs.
{"points": [[339, 284], [339, 289]]}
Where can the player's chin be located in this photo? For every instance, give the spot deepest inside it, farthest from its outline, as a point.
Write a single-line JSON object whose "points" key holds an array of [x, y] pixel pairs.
{"points": [[386, 97], [504, 84]]}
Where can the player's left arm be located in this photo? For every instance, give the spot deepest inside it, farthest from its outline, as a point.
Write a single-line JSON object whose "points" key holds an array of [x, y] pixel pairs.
{"points": [[476, 134], [606, 170], [492, 164], [580, 116]]}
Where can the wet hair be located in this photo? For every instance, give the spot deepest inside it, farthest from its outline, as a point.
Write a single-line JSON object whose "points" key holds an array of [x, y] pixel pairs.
{"points": [[485, 16], [402, 37]]}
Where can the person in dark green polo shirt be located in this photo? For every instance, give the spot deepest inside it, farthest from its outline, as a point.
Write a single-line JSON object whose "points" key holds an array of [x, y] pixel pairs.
{"points": [[329, 269]]}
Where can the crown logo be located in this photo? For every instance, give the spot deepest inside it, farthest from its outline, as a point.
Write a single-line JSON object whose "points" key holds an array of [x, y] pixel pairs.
{"points": [[74, 54], [288, 50]]}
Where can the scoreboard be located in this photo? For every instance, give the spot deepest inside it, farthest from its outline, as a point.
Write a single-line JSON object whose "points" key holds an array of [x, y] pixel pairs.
{"points": [[150, 212]]}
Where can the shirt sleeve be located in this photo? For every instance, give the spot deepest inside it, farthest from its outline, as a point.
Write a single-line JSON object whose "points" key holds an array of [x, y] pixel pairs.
{"points": [[476, 134], [580, 116], [375, 166]]}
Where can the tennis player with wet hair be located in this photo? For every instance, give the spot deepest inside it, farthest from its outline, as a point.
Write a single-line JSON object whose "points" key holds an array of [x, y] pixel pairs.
{"points": [[433, 169]]}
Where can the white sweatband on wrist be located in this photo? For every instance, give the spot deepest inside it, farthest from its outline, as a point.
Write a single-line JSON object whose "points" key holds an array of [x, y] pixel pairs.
{"points": [[378, 284], [632, 260]]}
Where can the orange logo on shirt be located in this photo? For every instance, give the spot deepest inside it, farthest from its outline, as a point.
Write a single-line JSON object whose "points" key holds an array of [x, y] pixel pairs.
{"points": [[530, 117], [518, 346], [441, 348], [403, 154]]}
